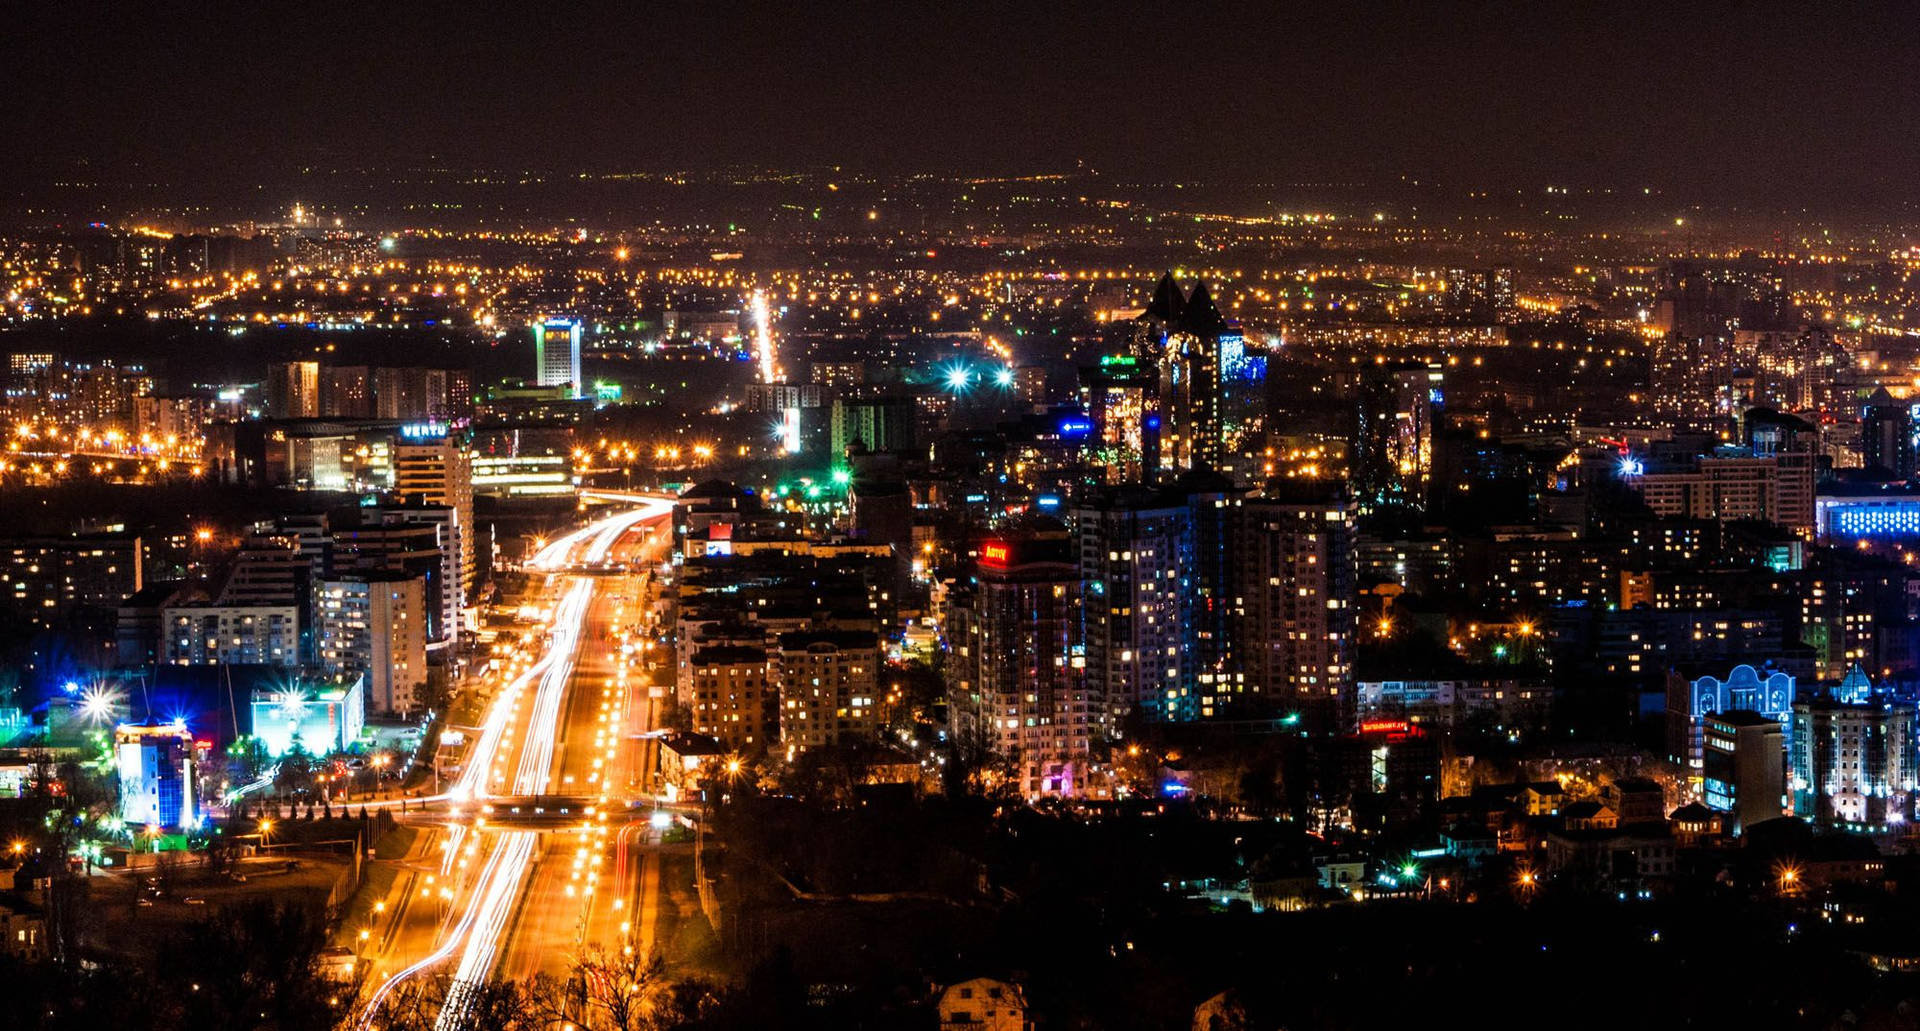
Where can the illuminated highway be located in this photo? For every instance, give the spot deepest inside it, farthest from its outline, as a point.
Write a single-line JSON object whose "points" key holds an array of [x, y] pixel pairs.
{"points": [[556, 729]]}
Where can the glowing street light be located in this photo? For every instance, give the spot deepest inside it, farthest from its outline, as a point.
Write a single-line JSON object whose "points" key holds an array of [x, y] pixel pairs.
{"points": [[99, 704]]}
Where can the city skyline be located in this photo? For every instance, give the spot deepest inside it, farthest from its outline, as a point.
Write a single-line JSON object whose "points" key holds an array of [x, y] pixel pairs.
{"points": [[959, 518]]}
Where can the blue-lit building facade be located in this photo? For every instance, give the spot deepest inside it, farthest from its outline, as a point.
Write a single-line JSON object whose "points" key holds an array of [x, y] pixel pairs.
{"points": [[1889, 513], [1768, 691], [323, 717], [1853, 763], [154, 763]]}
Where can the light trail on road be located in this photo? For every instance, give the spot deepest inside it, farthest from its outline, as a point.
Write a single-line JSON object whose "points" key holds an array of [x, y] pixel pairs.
{"points": [[431, 959], [502, 877]]}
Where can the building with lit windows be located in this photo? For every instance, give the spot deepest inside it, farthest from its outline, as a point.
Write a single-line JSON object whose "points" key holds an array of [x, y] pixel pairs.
{"points": [[1744, 767], [1690, 700], [735, 696], [1391, 451], [829, 682], [1871, 513], [515, 476], [432, 467], [293, 390], [1195, 354], [1017, 677], [375, 624], [243, 635], [1293, 590], [1135, 549], [1853, 758], [1887, 439], [156, 770], [1203, 602], [556, 355], [407, 539], [1121, 397], [43, 579]]}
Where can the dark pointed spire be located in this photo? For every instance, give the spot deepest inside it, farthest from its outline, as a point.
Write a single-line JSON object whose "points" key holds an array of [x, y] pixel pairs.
{"points": [[1200, 317], [1168, 301]]}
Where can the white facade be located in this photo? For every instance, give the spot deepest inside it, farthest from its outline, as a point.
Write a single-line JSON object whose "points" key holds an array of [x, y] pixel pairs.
{"points": [[556, 354], [376, 626], [248, 635], [440, 472]]}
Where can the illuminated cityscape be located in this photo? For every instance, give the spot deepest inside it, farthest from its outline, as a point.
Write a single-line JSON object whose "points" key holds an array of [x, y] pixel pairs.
{"points": [[693, 520]]}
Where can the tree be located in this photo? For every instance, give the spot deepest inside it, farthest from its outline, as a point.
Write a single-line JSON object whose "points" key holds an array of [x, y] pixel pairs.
{"points": [[255, 966], [620, 990], [1260, 785], [166, 869], [295, 775]]}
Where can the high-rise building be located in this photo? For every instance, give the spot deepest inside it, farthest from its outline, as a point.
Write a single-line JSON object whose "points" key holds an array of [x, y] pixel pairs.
{"points": [[556, 354], [269, 570], [1396, 415], [1157, 571], [1294, 588], [1017, 678], [1121, 397], [375, 624], [411, 539], [1187, 336], [1887, 436], [1690, 376], [422, 395], [1135, 550], [155, 766], [230, 635], [1853, 757], [346, 392], [882, 424], [293, 390], [1502, 294], [433, 467], [1204, 603]]}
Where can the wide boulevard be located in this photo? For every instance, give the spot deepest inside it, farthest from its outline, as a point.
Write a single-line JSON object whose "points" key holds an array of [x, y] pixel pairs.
{"points": [[546, 840]]}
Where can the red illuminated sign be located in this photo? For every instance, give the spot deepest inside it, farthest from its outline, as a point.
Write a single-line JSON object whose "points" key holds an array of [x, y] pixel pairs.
{"points": [[1384, 727], [994, 554]]}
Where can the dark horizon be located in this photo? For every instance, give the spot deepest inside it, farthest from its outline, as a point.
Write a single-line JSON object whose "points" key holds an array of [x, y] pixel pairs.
{"points": [[1786, 108]]}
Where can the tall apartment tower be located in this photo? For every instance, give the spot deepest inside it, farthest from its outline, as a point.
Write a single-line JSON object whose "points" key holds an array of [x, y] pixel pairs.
{"points": [[436, 469], [1157, 573], [1887, 435], [1294, 591], [1188, 338], [556, 354], [1017, 681], [1396, 416], [375, 623], [293, 390]]}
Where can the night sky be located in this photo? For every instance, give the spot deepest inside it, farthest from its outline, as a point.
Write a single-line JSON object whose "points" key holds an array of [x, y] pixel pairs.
{"points": [[1788, 104]]}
